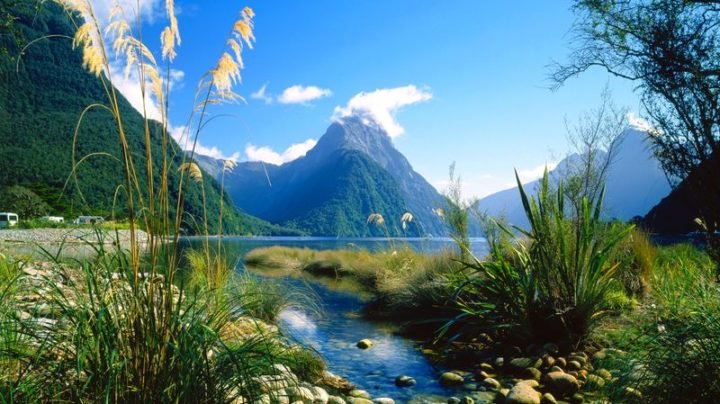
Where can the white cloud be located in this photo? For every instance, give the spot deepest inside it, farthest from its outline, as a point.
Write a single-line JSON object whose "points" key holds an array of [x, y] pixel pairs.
{"points": [[381, 105], [261, 94], [531, 174], [268, 155], [637, 122], [130, 88], [181, 136], [148, 8], [299, 94], [482, 185]]}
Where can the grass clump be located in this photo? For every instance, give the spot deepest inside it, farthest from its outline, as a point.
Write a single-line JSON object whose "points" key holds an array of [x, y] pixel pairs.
{"points": [[671, 345], [552, 285]]}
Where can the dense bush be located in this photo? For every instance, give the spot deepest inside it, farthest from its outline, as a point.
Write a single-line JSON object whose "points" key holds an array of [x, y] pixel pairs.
{"points": [[553, 284]]}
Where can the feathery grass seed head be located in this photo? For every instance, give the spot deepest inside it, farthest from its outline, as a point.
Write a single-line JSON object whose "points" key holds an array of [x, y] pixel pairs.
{"points": [[376, 219], [192, 170]]}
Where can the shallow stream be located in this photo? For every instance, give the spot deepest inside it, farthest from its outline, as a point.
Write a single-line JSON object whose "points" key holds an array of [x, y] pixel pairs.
{"points": [[336, 329]]}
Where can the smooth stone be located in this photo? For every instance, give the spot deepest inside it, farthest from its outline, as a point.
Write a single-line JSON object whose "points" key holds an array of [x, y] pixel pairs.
{"points": [[364, 344], [579, 359], [532, 383], [520, 364], [562, 362], [453, 400], [263, 399], [486, 367], [561, 384], [577, 398], [574, 365], [556, 369], [532, 373], [303, 394], [548, 398], [359, 400], [522, 393], [451, 379], [405, 381], [485, 397], [467, 400], [499, 362], [548, 361], [359, 394], [321, 396], [470, 386], [384, 400], [491, 383], [336, 400], [481, 375]]}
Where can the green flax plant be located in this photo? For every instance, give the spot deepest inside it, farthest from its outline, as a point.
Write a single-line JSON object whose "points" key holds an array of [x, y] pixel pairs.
{"points": [[552, 281]]}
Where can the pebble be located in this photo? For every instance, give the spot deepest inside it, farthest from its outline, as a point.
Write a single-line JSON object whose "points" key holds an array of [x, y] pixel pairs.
{"points": [[548, 398], [491, 383], [451, 379], [405, 381], [359, 394], [574, 365], [364, 344]]}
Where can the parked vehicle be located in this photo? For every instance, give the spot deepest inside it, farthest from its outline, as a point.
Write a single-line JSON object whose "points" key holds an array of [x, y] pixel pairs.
{"points": [[8, 219], [54, 219], [89, 220]]}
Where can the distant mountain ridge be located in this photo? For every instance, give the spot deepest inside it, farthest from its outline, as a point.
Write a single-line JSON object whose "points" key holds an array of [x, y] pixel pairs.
{"points": [[635, 183], [354, 170]]}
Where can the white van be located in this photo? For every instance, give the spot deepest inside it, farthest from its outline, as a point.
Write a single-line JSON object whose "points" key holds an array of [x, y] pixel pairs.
{"points": [[53, 219], [8, 219]]}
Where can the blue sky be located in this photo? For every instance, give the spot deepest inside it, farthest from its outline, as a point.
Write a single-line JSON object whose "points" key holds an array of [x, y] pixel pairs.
{"points": [[478, 69]]}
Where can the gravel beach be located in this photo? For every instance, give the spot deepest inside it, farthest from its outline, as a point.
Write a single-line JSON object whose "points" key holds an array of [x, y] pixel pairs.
{"points": [[67, 236]]}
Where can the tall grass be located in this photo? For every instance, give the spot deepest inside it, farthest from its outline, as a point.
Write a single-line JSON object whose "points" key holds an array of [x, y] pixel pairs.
{"points": [[673, 344], [123, 326], [553, 283]]}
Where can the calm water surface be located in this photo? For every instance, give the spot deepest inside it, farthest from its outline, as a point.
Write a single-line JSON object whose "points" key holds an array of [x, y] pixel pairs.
{"points": [[338, 327]]}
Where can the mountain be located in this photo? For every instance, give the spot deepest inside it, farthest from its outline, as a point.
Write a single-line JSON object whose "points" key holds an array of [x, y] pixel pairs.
{"points": [[635, 183], [354, 170], [676, 213], [40, 105]]}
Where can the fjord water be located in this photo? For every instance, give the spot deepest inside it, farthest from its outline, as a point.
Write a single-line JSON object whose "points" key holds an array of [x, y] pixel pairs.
{"points": [[334, 331]]}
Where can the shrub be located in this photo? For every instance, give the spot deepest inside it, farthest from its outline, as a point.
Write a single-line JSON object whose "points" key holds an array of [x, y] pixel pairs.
{"points": [[554, 285]]}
